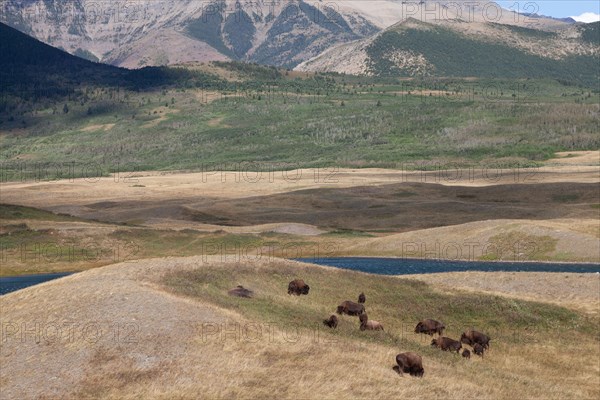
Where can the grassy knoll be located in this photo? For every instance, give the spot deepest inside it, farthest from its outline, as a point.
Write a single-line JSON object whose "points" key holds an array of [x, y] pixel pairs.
{"points": [[543, 340]]}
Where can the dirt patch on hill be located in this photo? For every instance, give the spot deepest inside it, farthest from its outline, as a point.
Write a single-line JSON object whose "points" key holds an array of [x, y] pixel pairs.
{"points": [[103, 127], [218, 121], [576, 158]]}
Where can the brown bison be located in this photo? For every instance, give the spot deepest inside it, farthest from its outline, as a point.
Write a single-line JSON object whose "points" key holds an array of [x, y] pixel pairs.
{"points": [[447, 344], [298, 287], [409, 363], [472, 337], [240, 291], [466, 353], [369, 325], [429, 327], [331, 322], [361, 298], [478, 349], [350, 308]]}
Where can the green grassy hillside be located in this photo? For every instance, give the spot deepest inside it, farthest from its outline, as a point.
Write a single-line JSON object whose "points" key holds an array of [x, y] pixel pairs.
{"points": [[57, 109], [453, 54]]}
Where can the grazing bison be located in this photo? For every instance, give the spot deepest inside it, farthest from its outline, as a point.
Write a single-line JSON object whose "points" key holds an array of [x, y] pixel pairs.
{"points": [[409, 363], [240, 291], [361, 298], [298, 287], [478, 349], [466, 353], [447, 344], [369, 325], [350, 308], [331, 322], [471, 337], [429, 327]]}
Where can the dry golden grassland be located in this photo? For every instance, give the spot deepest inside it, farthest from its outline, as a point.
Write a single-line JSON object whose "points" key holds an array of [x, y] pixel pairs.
{"points": [[191, 340], [367, 212], [157, 324]]}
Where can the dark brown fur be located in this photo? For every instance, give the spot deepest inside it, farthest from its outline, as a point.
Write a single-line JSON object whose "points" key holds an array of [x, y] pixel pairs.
{"points": [[409, 363], [429, 327], [478, 349], [472, 337], [331, 322], [447, 344], [350, 308], [466, 353], [362, 298], [298, 287]]}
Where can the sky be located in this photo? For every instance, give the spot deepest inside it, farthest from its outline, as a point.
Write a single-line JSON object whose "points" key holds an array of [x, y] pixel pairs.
{"points": [[584, 11]]}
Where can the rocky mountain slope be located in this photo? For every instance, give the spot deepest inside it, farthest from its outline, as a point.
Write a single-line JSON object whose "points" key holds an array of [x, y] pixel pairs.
{"points": [[159, 32], [460, 48], [283, 32]]}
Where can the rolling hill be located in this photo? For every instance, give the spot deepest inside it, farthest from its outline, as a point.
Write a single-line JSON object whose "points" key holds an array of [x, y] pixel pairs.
{"points": [[461, 49], [165, 328]]}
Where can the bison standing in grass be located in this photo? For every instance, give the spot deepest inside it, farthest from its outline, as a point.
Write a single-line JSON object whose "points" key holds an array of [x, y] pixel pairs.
{"points": [[331, 322], [478, 349], [369, 325], [409, 363], [429, 327], [298, 287], [350, 308], [472, 337], [466, 354], [447, 344], [361, 298]]}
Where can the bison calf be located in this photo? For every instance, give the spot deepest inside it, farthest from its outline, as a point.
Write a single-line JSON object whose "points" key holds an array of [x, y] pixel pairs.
{"points": [[447, 344], [350, 308], [298, 287], [361, 298], [331, 322], [369, 325], [478, 349], [429, 327], [409, 363]]}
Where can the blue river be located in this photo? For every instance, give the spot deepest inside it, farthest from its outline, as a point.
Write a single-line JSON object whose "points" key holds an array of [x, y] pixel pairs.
{"points": [[373, 265], [13, 283], [403, 266]]}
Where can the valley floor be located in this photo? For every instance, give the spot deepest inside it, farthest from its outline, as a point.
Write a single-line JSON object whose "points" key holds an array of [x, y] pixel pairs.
{"points": [[150, 318], [544, 214]]}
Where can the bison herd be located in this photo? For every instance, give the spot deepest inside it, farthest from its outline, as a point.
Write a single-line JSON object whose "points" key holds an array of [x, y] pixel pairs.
{"points": [[409, 362]]}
